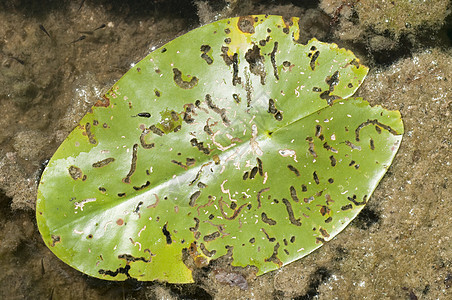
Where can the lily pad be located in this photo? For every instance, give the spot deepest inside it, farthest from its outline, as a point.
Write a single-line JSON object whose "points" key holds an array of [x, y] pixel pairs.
{"points": [[233, 137]]}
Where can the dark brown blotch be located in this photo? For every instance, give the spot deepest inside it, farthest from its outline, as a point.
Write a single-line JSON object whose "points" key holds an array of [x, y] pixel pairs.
{"points": [[313, 60], [333, 161], [256, 62], [316, 177], [271, 107], [75, 172], [207, 58], [267, 220], [259, 166], [294, 170], [194, 197], [167, 234], [103, 162], [253, 172], [212, 236], [246, 24], [143, 186], [293, 193], [182, 83]]}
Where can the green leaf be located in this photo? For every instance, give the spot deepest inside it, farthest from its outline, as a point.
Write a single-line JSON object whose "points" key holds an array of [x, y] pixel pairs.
{"points": [[233, 137]]}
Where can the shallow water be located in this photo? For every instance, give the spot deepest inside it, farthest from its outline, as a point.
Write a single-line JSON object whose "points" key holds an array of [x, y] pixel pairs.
{"points": [[399, 246]]}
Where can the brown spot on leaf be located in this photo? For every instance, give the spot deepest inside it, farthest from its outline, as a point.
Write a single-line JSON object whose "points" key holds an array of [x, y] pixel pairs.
{"points": [[256, 62], [324, 232], [167, 234], [289, 209], [89, 134], [179, 164], [207, 252], [273, 60], [194, 197], [270, 239], [200, 145], [212, 236], [357, 203], [220, 111], [234, 61], [182, 83], [236, 98], [143, 142], [294, 170], [133, 165], [253, 172], [104, 102], [157, 93], [103, 162], [311, 148], [75, 172], [271, 107], [274, 258], [267, 220], [236, 211], [316, 178], [373, 122], [156, 130], [324, 210], [259, 166], [328, 147], [139, 188], [293, 194], [347, 207], [318, 130], [313, 60], [259, 196], [333, 161], [129, 258], [246, 24], [196, 227], [55, 239], [207, 58]]}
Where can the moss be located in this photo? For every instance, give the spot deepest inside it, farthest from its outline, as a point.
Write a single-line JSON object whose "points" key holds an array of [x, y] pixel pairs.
{"points": [[402, 17], [397, 17], [388, 30]]}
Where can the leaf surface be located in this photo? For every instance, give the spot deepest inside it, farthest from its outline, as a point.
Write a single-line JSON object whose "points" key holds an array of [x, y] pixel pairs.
{"points": [[232, 137]]}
